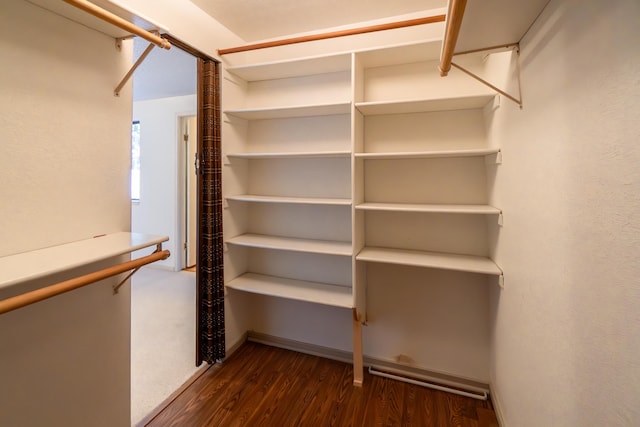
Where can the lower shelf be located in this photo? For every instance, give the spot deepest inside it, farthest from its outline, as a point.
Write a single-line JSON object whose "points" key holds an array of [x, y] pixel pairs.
{"points": [[444, 261], [319, 293]]}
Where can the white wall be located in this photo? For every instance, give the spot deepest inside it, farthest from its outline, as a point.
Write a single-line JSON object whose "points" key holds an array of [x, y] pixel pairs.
{"points": [[160, 172], [64, 176], [566, 328]]}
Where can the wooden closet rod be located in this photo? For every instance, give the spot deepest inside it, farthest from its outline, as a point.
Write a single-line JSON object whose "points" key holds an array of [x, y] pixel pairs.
{"points": [[454, 22], [111, 18], [27, 298], [323, 36]]}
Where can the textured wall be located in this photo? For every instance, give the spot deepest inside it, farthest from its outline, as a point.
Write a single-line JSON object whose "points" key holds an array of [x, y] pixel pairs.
{"points": [[566, 328], [64, 168], [64, 161]]}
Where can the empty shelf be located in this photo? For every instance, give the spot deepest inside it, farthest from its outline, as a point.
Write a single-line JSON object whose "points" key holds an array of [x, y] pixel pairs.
{"points": [[293, 68], [291, 200], [476, 152], [292, 244], [319, 293], [423, 105], [410, 207], [292, 155], [291, 111], [468, 263]]}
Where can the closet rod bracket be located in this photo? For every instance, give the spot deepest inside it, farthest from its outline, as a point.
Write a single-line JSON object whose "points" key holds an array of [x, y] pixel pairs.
{"points": [[127, 76], [134, 271], [119, 41], [516, 49]]}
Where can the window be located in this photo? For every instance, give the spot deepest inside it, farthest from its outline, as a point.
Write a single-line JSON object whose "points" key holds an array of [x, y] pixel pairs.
{"points": [[135, 161]]}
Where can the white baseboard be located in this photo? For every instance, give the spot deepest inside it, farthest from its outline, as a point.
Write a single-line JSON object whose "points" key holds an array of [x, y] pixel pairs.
{"points": [[236, 345], [497, 405], [386, 365]]}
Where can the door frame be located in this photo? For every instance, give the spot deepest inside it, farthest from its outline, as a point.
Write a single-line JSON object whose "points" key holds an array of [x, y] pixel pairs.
{"points": [[184, 161]]}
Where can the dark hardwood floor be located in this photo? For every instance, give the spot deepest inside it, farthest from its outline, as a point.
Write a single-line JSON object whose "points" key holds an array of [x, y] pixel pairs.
{"points": [[261, 385]]}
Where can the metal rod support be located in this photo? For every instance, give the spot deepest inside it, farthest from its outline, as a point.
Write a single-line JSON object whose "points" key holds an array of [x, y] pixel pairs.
{"points": [[486, 83], [127, 76]]}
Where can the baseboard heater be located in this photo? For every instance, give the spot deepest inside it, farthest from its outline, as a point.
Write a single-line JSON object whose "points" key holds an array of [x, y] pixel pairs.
{"points": [[473, 394]]}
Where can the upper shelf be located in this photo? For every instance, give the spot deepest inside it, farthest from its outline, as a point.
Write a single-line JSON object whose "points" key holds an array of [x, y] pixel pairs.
{"points": [[508, 20], [423, 105], [293, 68], [400, 54], [61, 8], [40, 263], [291, 111]]}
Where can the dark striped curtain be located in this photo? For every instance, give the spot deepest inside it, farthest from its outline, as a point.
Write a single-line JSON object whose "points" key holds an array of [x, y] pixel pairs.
{"points": [[210, 273]]}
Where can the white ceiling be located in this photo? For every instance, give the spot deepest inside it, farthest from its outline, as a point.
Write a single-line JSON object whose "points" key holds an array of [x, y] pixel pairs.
{"points": [[254, 20]]}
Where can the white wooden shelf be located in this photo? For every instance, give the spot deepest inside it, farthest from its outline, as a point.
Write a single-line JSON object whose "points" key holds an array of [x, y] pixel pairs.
{"points": [[291, 111], [479, 152], [319, 293], [425, 50], [290, 200], [293, 68], [429, 208], [22, 267], [444, 261], [292, 244], [423, 105], [292, 155]]}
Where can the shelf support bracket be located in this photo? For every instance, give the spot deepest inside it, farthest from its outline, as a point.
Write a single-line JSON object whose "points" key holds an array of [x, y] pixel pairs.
{"points": [[134, 271], [127, 76], [517, 100]]}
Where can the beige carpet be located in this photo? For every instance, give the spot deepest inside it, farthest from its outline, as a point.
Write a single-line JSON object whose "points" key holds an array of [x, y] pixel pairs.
{"points": [[162, 336]]}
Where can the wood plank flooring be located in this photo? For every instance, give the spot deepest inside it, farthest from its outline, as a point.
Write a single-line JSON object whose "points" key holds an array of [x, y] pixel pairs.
{"points": [[261, 385]]}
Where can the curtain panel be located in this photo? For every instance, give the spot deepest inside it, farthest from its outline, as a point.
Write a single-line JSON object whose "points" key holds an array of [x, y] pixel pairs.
{"points": [[210, 340]]}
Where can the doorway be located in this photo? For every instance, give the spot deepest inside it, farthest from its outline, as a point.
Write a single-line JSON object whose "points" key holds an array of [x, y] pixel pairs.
{"points": [[189, 144], [209, 279], [163, 297]]}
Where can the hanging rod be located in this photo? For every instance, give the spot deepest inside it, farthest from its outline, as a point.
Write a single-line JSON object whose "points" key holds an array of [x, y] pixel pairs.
{"points": [[32, 297], [113, 19], [334, 34], [454, 22]]}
